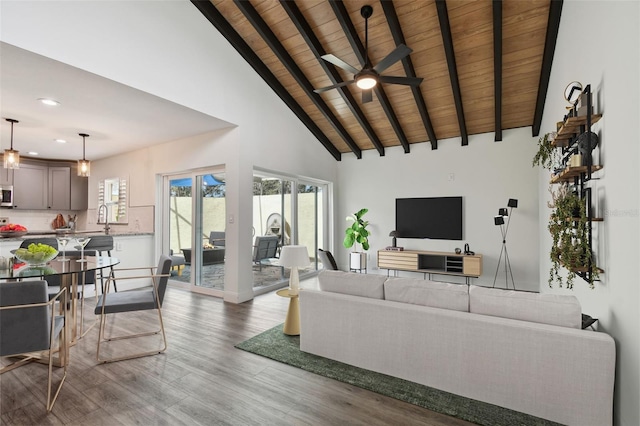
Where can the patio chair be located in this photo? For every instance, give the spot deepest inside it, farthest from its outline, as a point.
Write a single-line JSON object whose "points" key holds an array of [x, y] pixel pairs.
{"points": [[28, 324], [217, 238], [134, 301], [265, 247], [177, 262]]}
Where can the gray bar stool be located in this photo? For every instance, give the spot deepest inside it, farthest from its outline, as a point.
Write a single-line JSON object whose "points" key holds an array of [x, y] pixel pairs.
{"points": [[102, 243]]}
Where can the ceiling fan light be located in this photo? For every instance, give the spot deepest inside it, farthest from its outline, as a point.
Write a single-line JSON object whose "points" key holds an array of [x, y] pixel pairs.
{"points": [[366, 82]]}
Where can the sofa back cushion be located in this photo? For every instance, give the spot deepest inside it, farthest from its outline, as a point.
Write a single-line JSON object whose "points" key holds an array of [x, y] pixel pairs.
{"points": [[554, 309], [364, 285], [427, 293]]}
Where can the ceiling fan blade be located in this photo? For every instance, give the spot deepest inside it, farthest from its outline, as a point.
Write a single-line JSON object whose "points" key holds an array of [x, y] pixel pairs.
{"points": [[335, 86], [367, 95], [408, 81], [397, 54], [340, 63]]}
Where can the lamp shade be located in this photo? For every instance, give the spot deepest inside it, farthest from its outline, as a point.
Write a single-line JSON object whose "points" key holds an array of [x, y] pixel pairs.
{"points": [[294, 256], [84, 165], [11, 156], [84, 168]]}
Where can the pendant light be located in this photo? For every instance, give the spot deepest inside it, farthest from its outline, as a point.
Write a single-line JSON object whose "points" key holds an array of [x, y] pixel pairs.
{"points": [[11, 156], [84, 165]]}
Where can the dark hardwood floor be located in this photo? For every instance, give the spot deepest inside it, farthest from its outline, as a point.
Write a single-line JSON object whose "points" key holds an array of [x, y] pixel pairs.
{"points": [[201, 379]]}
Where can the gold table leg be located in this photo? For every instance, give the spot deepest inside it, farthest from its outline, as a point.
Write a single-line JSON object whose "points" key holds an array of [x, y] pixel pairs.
{"points": [[292, 321]]}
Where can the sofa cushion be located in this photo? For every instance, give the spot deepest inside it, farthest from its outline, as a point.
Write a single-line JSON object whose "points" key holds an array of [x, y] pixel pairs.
{"points": [[553, 309], [427, 293], [351, 283]]}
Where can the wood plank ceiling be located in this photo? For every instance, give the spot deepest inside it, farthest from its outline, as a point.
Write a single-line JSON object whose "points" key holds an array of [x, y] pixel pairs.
{"points": [[485, 65]]}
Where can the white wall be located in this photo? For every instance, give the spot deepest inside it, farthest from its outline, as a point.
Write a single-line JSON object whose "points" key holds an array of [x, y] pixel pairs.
{"points": [[167, 48], [598, 44], [485, 173]]}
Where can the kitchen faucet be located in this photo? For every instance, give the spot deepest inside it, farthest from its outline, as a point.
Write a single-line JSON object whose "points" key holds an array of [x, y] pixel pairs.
{"points": [[106, 217]]}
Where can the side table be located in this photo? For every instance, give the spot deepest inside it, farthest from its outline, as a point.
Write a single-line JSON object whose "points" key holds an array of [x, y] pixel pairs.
{"points": [[292, 322]]}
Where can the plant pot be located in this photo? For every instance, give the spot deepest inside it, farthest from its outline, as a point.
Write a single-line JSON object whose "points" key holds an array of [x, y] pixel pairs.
{"points": [[357, 260]]}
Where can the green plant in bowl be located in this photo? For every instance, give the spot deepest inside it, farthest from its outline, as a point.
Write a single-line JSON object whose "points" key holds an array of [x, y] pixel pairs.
{"points": [[36, 254]]}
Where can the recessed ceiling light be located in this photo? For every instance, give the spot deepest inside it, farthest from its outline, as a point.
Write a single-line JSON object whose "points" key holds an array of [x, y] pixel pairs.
{"points": [[49, 102], [32, 153], [60, 140]]}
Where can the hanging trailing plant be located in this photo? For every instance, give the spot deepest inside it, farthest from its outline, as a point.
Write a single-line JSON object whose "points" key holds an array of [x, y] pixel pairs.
{"points": [[569, 230], [547, 155]]}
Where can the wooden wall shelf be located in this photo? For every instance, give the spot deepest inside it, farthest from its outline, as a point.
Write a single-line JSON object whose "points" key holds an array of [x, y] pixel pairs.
{"points": [[571, 127], [570, 173]]}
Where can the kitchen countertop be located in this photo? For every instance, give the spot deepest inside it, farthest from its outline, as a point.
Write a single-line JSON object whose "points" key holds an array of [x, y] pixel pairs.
{"points": [[50, 233]]}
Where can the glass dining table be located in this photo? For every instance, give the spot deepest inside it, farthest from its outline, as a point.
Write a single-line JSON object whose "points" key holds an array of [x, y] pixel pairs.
{"points": [[69, 269]]}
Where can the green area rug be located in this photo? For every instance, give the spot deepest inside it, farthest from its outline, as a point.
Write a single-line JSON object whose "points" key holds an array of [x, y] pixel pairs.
{"points": [[278, 346]]}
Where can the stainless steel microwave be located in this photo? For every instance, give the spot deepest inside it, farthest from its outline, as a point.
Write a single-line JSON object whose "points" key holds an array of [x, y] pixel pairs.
{"points": [[6, 196]]}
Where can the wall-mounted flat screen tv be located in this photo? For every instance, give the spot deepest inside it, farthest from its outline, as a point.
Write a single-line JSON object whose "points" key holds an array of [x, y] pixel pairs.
{"points": [[438, 218]]}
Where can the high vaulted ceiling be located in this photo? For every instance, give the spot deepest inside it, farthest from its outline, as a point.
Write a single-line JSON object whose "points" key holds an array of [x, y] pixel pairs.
{"points": [[485, 65]]}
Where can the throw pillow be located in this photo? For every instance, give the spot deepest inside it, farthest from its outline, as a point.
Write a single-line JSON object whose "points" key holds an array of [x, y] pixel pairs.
{"points": [[364, 285], [427, 293], [554, 309]]}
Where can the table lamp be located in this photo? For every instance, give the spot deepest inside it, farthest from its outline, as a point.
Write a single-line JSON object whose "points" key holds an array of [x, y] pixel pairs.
{"points": [[294, 257]]}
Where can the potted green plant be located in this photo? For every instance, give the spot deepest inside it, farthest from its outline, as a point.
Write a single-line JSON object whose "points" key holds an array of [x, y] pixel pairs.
{"points": [[569, 228], [356, 234]]}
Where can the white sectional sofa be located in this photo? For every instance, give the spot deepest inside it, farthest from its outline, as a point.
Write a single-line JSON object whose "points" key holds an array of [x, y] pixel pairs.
{"points": [[518, 350]]}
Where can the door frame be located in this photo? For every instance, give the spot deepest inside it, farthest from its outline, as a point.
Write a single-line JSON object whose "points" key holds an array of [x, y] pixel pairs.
{"points": [[196, 228]]}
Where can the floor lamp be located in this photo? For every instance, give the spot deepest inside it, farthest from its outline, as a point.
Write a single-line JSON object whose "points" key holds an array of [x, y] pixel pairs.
{"points": [[499, 221]]}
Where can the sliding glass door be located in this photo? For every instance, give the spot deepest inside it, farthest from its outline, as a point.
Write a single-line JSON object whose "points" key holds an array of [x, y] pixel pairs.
{"points": [[294, 211], [195, 205], [311, 214]]}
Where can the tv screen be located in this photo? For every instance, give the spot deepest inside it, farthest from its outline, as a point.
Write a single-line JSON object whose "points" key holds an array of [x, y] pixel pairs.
{"points": [[437, 218]]}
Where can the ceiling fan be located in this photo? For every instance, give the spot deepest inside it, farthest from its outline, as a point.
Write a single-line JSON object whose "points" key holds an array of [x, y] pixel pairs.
{"points": [[369, 75]]}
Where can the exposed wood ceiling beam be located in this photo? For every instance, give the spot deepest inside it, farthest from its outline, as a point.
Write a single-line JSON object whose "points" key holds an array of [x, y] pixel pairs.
{"points": [[316, 47], [217, 20], [398, 38], [447, 39], [555, 10], [278, 49], [497, 66], [347, 26]]}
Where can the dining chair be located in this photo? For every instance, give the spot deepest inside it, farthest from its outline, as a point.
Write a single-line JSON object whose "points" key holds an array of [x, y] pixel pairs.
{"points": [[327, 260], [29, 324], [102, 243], [147, 298]]}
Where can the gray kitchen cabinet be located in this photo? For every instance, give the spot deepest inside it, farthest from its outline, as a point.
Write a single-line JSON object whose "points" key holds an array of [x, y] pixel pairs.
{"points": [[59, 188], [79, 190], [30, 186], [6, 176], [42, 185]]}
